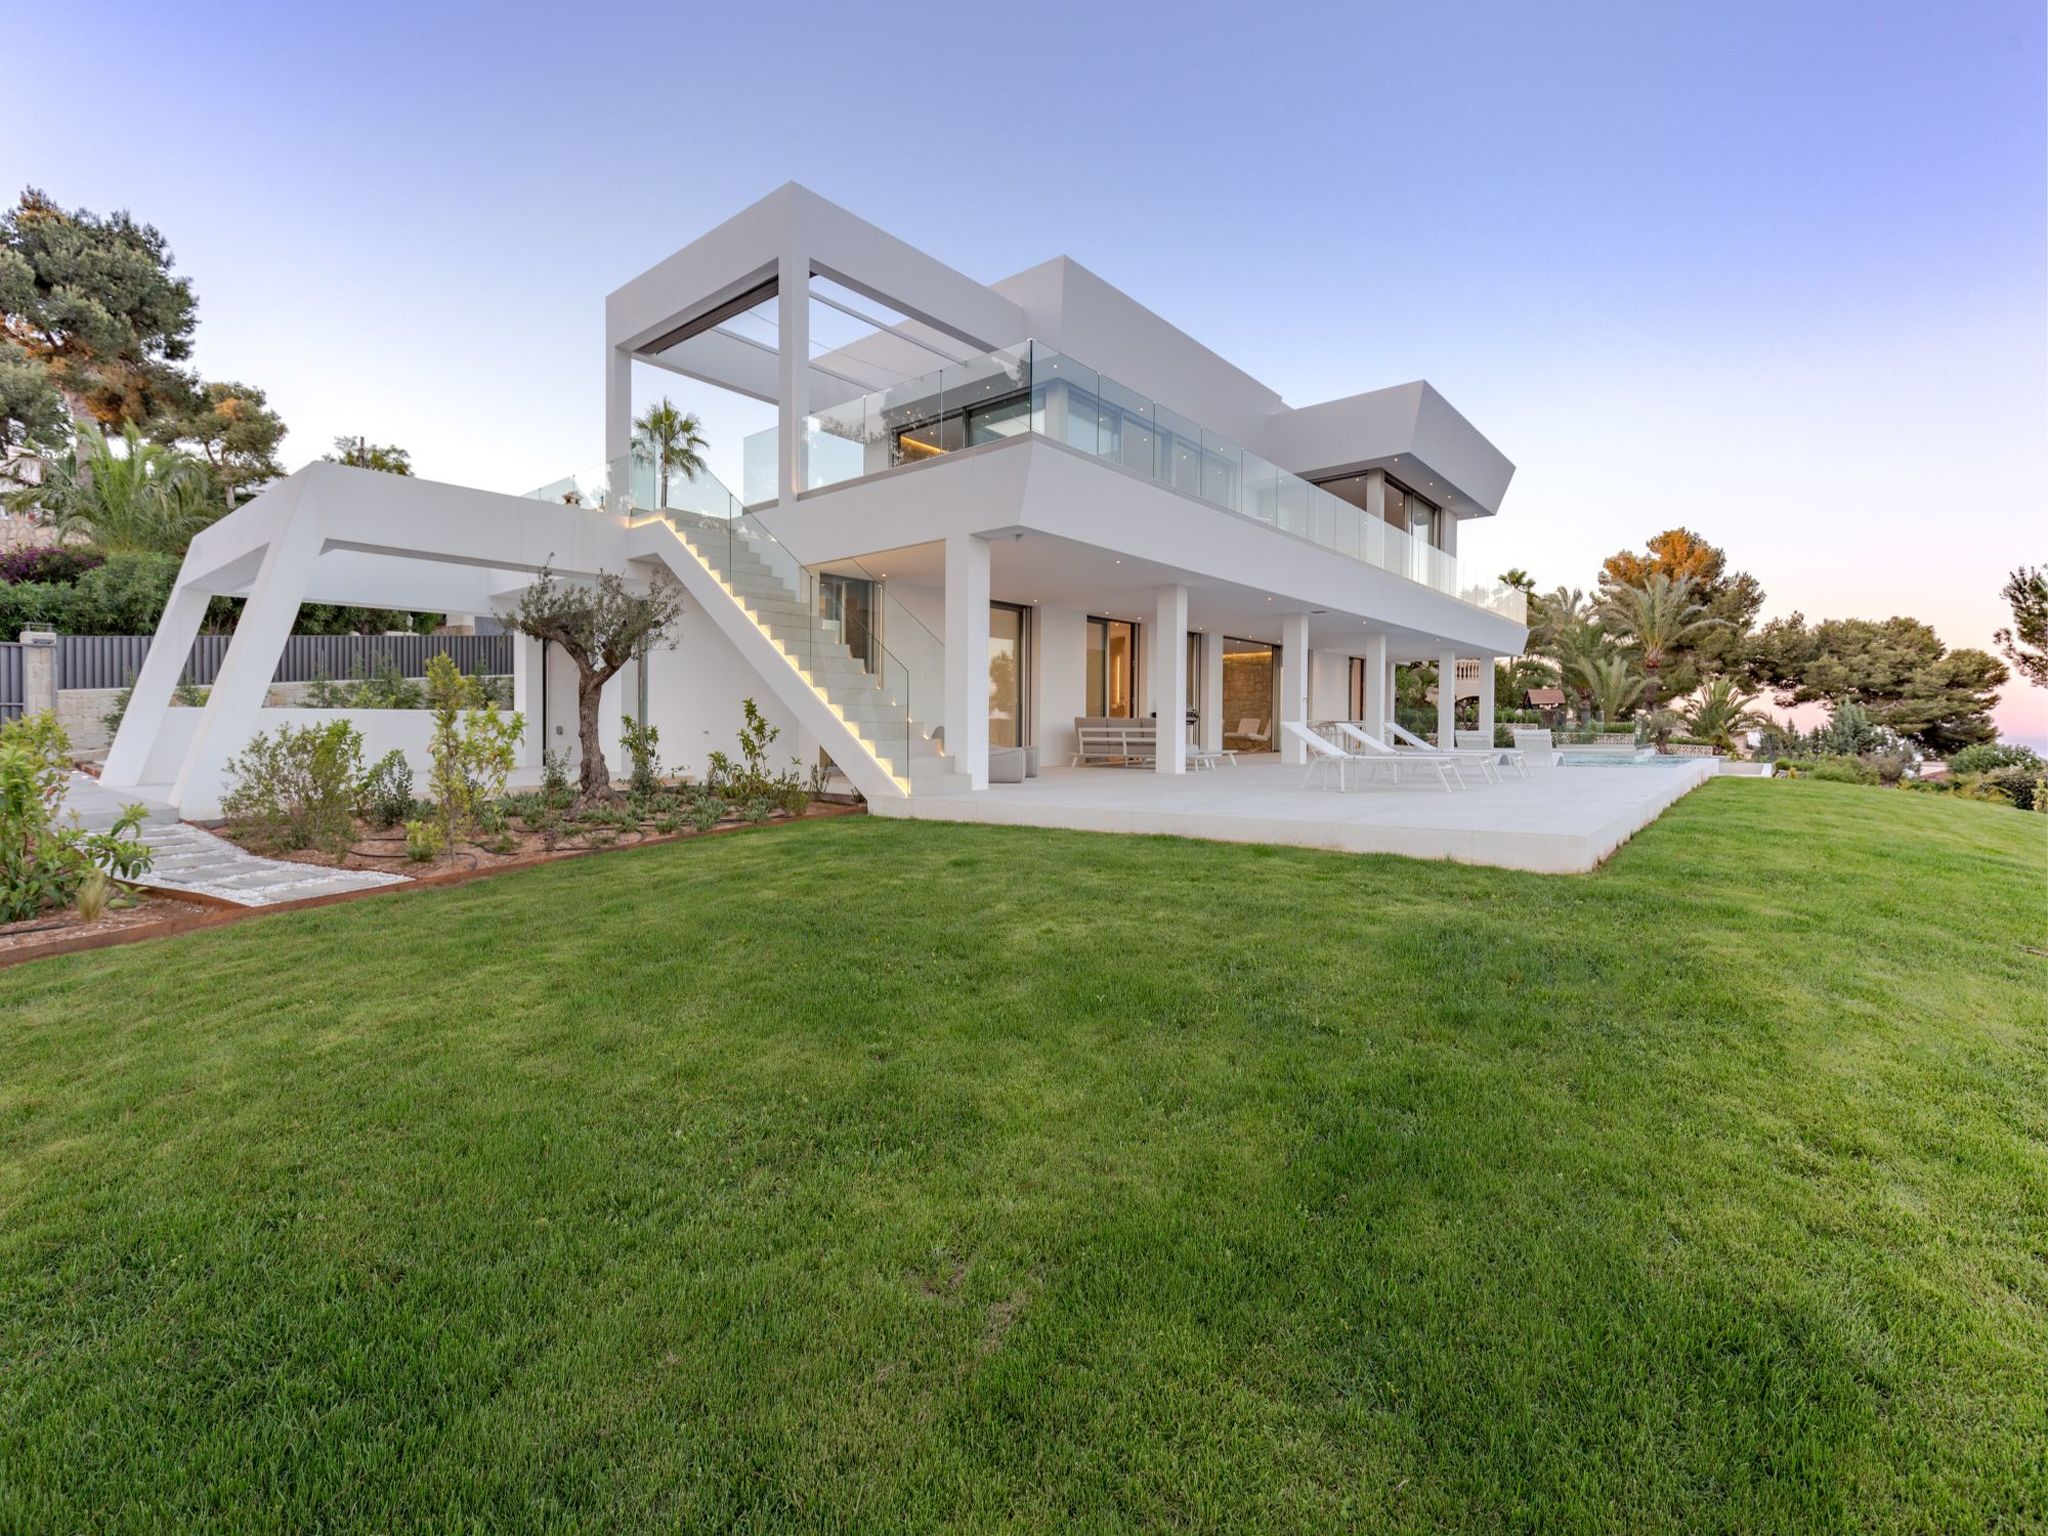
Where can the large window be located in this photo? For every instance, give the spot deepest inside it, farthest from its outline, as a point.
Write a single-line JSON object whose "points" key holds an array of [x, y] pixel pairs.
{"points": [[1249, 671], [1412, 514], [1112, 669], [1009, 687]]}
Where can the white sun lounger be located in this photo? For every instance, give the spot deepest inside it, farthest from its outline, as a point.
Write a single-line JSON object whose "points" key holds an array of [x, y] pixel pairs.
{"points": [[1507, 757], [1442, 765], [1404, 740], [1375, 757]]}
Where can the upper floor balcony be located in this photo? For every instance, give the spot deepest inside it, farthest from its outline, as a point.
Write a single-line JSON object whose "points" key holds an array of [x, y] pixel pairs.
{"points": [[1030, 389]]}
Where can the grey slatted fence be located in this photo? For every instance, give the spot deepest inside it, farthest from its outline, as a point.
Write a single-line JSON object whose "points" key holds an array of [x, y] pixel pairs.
{"points": [[110, 661], [12, 685]]}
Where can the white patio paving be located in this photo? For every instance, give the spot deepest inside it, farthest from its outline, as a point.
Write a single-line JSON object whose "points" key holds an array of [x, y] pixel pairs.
{"points": [[1558, 821]]}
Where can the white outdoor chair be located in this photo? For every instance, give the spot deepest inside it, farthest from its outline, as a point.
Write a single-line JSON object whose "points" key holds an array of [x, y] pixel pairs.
{"points": [[1429, 764], [1255, 732], [1406, 740], [1480, 741], [1538, 748], [1323, 755]]}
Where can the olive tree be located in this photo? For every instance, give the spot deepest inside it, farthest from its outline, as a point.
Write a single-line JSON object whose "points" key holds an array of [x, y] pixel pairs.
{"points": [[601, 625]]}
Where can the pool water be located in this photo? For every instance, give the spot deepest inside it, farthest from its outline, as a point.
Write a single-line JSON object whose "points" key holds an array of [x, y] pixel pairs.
{"points": [[1622, 760]]}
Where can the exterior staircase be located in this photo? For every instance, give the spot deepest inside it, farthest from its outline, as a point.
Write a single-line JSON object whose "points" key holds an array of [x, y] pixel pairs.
{"points": [[901, 757]]}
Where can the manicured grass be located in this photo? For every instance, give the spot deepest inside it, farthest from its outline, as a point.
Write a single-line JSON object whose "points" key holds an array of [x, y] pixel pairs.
{"points": [[888, 1176]]}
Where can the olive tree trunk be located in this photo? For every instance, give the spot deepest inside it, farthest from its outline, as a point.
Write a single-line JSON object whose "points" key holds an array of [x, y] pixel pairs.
{"points": [[596, 782]]}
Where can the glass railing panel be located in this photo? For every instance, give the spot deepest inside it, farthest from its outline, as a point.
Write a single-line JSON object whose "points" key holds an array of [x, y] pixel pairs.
{"points": [[589, 488], [1177, 454], [908, 417], [990, 395], [1127, 427], [760, 477], [1347, 534], [1222, 470], [1291, 500], [1260, 496], [1066, 400], [1372, 540], [831, 456]]}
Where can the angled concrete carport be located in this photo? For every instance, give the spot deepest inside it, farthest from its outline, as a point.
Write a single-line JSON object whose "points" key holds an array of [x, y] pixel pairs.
{"points": [[335, 534]]}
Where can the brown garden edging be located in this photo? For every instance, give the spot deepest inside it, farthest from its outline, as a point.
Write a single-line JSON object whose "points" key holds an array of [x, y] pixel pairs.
{"points": [[213, 912]]}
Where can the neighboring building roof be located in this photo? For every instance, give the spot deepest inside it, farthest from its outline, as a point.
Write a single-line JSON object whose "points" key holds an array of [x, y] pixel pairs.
{"points": [[1545, 698]]}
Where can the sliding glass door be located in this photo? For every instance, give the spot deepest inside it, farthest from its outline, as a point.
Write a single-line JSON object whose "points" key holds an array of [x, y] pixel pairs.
{"points": [[1009, 686], [1249, 671], [1112, 669]]}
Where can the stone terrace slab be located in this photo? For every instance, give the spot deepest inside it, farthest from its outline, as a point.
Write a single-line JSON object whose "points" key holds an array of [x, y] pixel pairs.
{"points": [[1558, 821]]}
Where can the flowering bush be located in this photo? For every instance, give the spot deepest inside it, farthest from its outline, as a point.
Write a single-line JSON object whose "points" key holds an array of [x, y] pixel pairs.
{"points": [[47, 563]]}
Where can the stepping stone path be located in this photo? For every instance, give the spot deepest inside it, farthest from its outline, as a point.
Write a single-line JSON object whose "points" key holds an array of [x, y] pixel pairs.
{"points": [[187, 858]]}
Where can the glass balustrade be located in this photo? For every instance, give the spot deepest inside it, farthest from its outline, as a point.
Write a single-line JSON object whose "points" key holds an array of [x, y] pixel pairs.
{"points": [[801, 607], [1033, 388]]}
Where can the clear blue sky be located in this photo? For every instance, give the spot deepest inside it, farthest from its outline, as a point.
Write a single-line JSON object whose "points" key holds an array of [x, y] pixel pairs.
{"points": [[1775, 271]]}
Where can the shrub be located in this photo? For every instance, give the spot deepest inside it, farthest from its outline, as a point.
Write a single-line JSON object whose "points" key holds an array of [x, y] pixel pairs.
{"points": [[1840, 770], [1988, 755], [297, 789], [2021, 783], [386, 797], [473, 748], [46, 562], [423, 840], [1890, 765], [639, 742], [555, 787], [708, 811], [43, 863]]}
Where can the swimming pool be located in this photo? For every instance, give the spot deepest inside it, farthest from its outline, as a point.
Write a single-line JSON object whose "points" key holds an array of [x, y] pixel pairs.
{"points": [[1645, 759]]}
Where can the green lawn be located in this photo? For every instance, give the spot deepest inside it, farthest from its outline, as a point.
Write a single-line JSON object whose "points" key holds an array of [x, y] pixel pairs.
{"points": [[869, 1175]]}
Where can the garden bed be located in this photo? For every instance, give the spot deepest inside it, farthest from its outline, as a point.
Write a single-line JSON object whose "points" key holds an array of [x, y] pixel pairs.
{"points": [[62, 927], [532, 834]]}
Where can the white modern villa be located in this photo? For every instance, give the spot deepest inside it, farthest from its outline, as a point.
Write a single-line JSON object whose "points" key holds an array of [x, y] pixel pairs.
{"points": [[999, 532]]}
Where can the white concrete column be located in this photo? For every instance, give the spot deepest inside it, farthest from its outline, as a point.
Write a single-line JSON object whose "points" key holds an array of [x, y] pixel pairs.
{"points": [[151, 695], [1293, 701], [1212, 691], [618, 423], [526, 696], [1378, 701], [1489, 674], [230, 717], [967, 656], [1446, 698], [1170, 679], [793, 379]]}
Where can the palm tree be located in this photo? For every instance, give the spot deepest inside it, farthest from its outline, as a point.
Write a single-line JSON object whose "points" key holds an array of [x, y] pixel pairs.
{"points": [[1610, 683], [1720, 710], [1656, 618], [146, 498], [671, 441]]}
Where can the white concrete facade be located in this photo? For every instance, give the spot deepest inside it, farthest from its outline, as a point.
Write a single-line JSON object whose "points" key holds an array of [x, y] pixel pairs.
{"points": [[857, 601]]}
